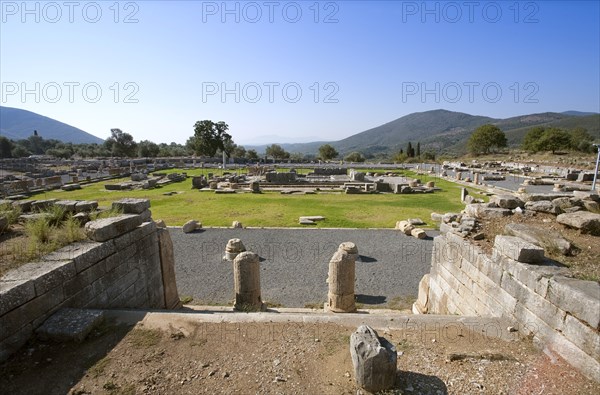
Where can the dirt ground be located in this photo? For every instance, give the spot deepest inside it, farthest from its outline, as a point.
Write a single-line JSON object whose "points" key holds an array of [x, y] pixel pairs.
{"points": [[583, 262], [279, 358]]}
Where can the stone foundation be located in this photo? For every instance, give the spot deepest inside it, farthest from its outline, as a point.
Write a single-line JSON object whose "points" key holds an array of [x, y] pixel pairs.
{"points": [[561, 313], [132, 266]]}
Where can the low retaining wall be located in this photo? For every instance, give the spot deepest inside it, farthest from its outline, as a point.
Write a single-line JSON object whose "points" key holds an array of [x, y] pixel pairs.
{"points": [[516, 282], [127, 263]]}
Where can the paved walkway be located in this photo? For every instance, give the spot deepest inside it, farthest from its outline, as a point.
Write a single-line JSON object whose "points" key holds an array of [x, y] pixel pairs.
{"points": [[295, 264]]}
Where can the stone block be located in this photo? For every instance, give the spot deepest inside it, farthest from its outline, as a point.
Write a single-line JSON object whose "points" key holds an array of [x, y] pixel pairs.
{"points": [[418, 233], [544, 238], [86, 206], [14, 294], [44, 275], [41, 205], [13, 343], [135, 236], [482, 210], [507, 201], [578, 297], [16, 319], [167, 265], [582, 336], [374, 359], [586, 195], [131, 205], [109, 228], [70, 325], [518, 249], [67, 205], [191, 226], [585, 221], [84, 253]]}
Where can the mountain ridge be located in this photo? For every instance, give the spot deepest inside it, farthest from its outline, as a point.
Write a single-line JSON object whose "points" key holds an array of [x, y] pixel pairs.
{"points": [[18, 124]]}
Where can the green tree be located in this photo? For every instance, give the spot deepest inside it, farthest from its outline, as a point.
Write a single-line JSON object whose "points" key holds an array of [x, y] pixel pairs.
{"points": [[20, 152], [239, 152], [418, 153], [485, 138], [209, 137], [555, 139], [121, 144], [400, 157], [276, 152], [6, 147], [531, 141], [327, 152], [580, 139], [354, 157], [252, 155], [147, 149], [409, 150]]}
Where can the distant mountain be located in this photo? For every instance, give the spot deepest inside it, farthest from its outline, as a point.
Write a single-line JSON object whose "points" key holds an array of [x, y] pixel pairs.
{"points": [[578, 113], [444, 131], [17, 124]]}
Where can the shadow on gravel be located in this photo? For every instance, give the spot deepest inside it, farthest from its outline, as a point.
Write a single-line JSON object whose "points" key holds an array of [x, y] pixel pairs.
{"points": [[370, 299], [418, 383], [365, 259]]}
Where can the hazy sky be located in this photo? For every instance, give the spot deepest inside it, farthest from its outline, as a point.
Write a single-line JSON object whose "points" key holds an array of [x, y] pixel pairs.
{"points": [[297, 70]]}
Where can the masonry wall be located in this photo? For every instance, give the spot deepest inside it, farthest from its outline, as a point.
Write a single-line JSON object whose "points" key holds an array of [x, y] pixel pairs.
{"points": [[132, 268], [561, 313]]}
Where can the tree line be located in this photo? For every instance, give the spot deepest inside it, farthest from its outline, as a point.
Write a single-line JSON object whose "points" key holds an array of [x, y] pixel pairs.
{"points": [[211, 139]]}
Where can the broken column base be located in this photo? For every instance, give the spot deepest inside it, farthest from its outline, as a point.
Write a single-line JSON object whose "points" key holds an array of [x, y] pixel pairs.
{"points": [[343, 304]]}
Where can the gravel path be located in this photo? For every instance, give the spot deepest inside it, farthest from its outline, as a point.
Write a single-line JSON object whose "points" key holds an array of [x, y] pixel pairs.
{"points": [[295, 264]]}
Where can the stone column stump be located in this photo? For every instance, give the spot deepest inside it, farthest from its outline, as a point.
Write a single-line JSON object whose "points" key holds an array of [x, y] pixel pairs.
{"points": [[233, 248], [340, 298], [246, 275]]}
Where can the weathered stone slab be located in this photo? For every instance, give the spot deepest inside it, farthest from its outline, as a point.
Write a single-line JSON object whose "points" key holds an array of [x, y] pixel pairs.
{"points": [[481, 210], [542, 206], [585, 221], [83, 253], [67, 325], [578, 297], [506, 201], [67, 205], [40, 205], [405, 227], [374, 359], [109, 228], [70, 187], [545, 238], [86, 206], [536, 197], [15, 293], [518, 249], [167, 265], [585, 195], [131, 205], [44, 275]]}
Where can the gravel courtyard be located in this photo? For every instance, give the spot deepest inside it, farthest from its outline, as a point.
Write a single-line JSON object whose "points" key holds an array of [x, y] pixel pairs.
{"points": [[295, 263]]}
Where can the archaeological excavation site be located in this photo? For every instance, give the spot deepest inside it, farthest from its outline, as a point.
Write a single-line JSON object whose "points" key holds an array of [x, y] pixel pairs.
{"points": [[500, 295]]}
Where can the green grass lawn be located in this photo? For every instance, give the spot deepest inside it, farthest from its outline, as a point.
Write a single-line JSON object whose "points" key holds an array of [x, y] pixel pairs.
{"points": [[276, 210]]}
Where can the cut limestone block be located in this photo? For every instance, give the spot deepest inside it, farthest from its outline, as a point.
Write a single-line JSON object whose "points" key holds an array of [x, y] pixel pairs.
{"points": [[541, 237], [374, 359], [109, 228], [518, 249], [585, 221], [131, 206], [70, 325]]}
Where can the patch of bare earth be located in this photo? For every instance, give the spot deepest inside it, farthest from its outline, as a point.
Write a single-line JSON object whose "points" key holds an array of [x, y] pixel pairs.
{"points": [[583, 262], [279, 358]]}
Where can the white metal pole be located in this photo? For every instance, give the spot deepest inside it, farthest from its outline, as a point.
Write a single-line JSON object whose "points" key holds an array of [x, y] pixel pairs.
{"points": [[596, 171]]}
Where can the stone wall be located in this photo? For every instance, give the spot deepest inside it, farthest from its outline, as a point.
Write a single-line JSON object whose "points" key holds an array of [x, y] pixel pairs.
{"points": [[126, 263], [516, 282]]}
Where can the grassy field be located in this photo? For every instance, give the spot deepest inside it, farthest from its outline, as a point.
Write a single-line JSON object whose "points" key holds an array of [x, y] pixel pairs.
{"points": [[271, 209]]}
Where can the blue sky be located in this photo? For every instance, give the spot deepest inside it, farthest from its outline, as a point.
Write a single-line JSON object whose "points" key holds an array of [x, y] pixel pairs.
{"points": [[299, 71]]}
